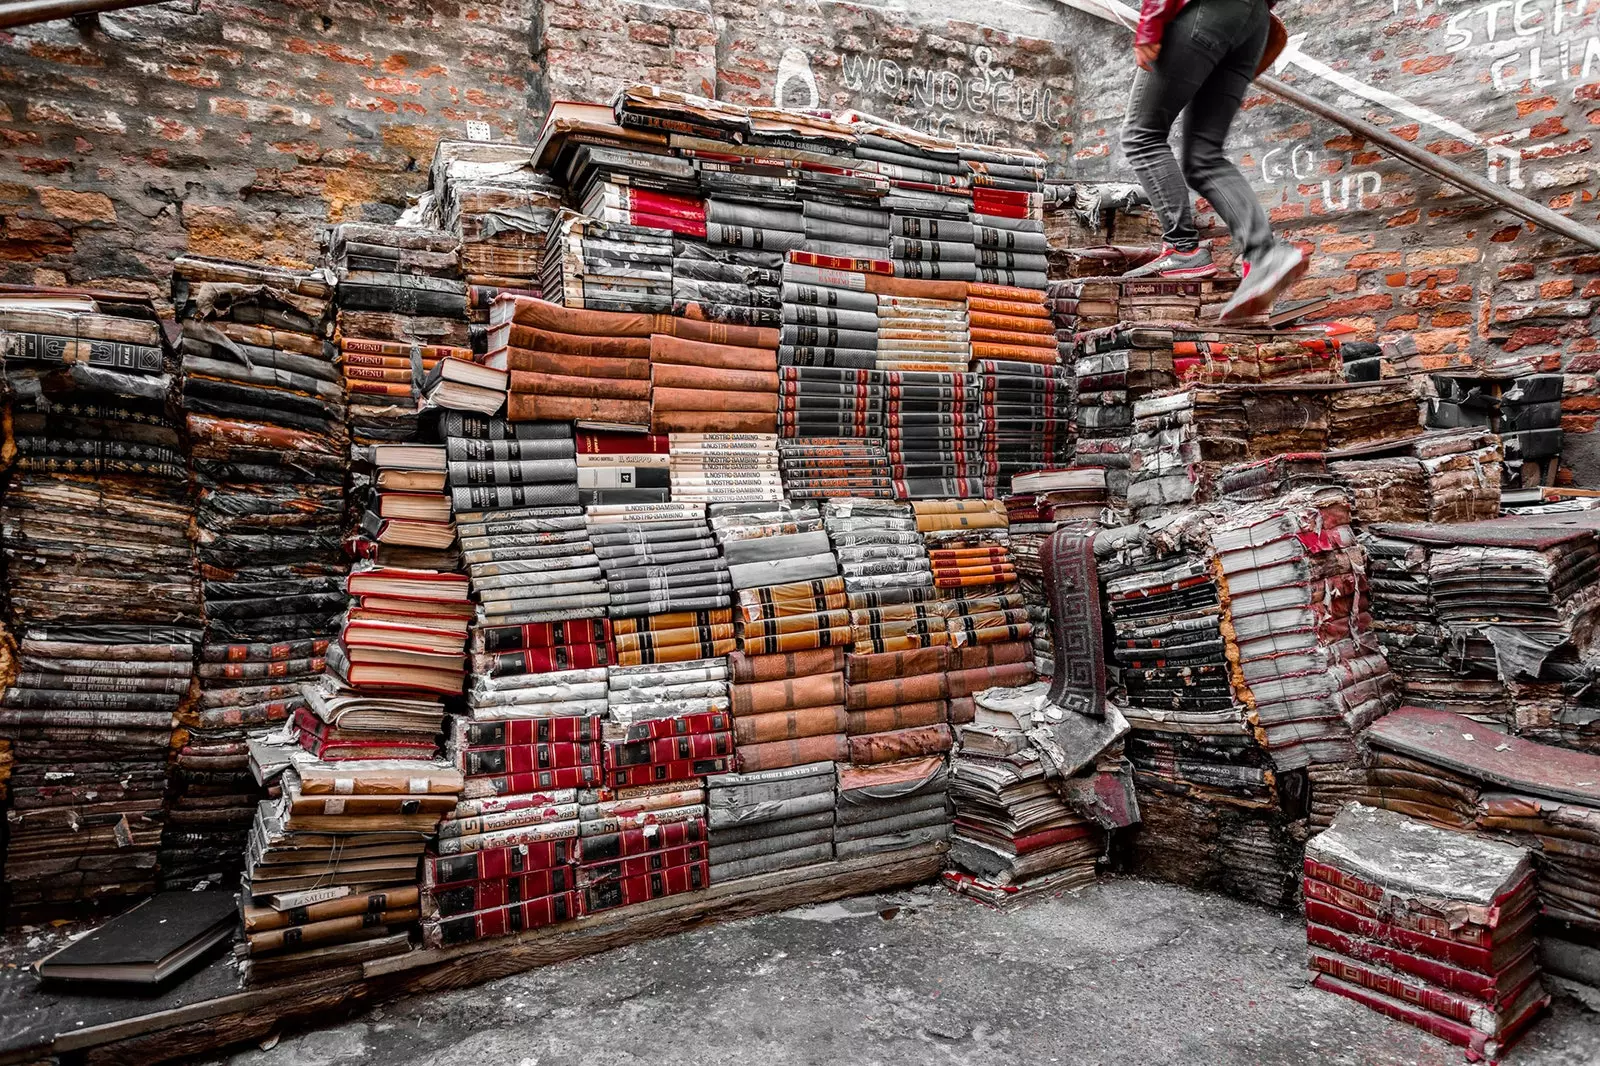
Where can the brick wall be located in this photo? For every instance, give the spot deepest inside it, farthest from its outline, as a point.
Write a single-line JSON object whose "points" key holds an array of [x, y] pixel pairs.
{"points": [[241, 128]]}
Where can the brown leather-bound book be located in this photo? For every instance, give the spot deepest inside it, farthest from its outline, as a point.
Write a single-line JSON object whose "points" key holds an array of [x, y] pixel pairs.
{"points": [[525, 407], [796, 623], [838, 636], [1015, 352], [967, 682], [650, 623], [751, 668], [714, 422], [987, 655], [963, 710], [542, 314], [716, 332], [673, 376], [861, 669], [1005, 292], [589, 366], [673, 399], [922, 507], [993, 629], [983, 335], [900, 744], [544, 340], [914, 689], [789, 725], [524, 381], [873, 641], [799, 597], [834, 747], [968, 579], [665, 349], [1007, 307], [899, 716], [764, 697], [1010, 323], [793, 607], [884, 285], [658, 639], [676, 653], [927, 523]]}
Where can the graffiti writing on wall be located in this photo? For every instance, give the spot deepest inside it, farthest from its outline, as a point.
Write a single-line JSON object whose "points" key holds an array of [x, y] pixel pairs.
{"points": [[1297, 169], [1522, 43], [983, 102]]}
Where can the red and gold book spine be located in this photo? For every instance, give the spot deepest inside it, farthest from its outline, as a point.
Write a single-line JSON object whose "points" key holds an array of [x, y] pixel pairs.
{"points": [[668, 882], [677, 770], [685, 748], [640, 841]]}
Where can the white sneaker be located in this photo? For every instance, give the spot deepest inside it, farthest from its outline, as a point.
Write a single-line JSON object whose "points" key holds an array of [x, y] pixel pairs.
{"points": [[1264, 280]]}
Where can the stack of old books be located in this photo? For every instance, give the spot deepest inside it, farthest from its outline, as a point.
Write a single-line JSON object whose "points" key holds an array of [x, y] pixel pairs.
{"points": [[1029, 407], [405, 629], [1443, 476], [628, 866], [496, 891], [1008, 227], [1010, 323], [766, 820], [1079, 305], [745, 218], [936, 432], [1429, 927], [1262, 479], [622, 467], [736, 286], [820, 468], [1014, 835], [1212, 810], [568, 364], [492, 196], [1163, 471], [1306, 662], [715, 387], [891, 806], [918, 332], [1115, 367], [609, 266], [814, 297], [658, 559], [104, 602], [707, 467], [338, 723], [831, 402], [331, 867], [769, 734], [929, 202]]}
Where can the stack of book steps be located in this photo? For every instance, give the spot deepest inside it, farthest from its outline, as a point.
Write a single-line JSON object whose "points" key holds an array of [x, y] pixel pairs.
{"points": [[658, 559], [525, 546], [936, 431], [922, 333], [1008, 235], [1014, 835], [790, 647], [1213, 814], [766, 820], [1426, 926], [1042, 501], [617, 467], [891, 806], [929, 203], [1030, 406], [267, 425], [829, 402], [402, 307], [774, 545], [830, 320], [1114, 368], [702, 387], [568, 364], [609, 266], [404, 509], [331, 874], [1164, 462], [1305, 660], [822, 468], [492, 197], [102, 596], [732, 467]]}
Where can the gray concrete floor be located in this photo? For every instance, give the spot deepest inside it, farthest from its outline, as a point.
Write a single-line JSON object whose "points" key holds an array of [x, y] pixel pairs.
{"points": [[1122, 972]]}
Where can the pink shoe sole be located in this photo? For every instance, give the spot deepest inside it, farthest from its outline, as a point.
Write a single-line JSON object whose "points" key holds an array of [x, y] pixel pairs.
{"points": [[1264, 300]]}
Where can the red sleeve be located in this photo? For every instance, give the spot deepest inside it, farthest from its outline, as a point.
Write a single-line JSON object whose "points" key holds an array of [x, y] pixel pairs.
{"points": [[1153, 18]]}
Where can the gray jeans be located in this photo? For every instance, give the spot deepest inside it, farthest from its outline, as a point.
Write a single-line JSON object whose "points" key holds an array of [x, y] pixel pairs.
{"points": [[1208, 59]]}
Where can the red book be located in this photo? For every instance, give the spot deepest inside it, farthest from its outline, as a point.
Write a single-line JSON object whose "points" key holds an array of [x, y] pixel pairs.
{"points": [[468, 896], [688, 227], [548, 634], [1443, 1028], [321, 740], [548, 660], [677, 770], [1338, 888], [668, 882], [668, 749], [641, 865], [500, 921], [662, 203], [1453, 978], [680, 726], [840, 262], [1469, 1010], [505, 861], [640, 841], [527, 758], [587, 776], [528, 731], [601, 443], [1484, 960]]}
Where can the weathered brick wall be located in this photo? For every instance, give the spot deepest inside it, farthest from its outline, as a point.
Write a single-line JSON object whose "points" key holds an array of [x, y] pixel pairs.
{"points": [[242, 128]]}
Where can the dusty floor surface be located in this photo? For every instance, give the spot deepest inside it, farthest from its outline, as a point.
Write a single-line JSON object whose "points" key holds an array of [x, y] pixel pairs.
{"points": [[1122, 972]]}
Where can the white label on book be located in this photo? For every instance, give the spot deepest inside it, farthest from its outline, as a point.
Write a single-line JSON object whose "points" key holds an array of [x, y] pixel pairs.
{"points": [[417, 784], [333, 806], [477, 130], [344, 786]]}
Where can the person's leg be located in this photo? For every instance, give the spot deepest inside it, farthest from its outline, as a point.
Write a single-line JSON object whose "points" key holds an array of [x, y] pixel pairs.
{"points": [[1157, 97], [1205, 129]]}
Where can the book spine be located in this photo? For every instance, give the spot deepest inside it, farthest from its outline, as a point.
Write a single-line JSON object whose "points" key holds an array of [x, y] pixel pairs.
{"points": [[501, 921], [627, 891], [640, 841], [598, 873], [497, 862], [587, 776], [669, 751], [464, 898], [655, 729]]}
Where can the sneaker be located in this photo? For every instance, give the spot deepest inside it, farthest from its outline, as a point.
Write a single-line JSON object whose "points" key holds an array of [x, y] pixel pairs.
{"points": [[1172, 263], [1263, 281]]}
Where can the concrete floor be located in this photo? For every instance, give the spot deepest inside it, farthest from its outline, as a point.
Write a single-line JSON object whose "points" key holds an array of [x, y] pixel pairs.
{"points": [[1122, 972]]}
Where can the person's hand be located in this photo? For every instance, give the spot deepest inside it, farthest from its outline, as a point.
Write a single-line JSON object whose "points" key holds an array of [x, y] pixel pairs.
{"points": [[1145, 55]]}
